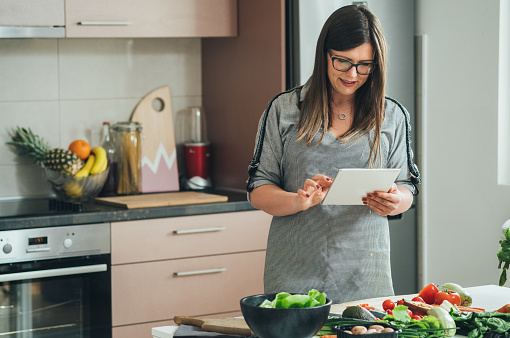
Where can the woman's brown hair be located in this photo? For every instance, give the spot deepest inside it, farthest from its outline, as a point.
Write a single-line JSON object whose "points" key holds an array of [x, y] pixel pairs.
{"points": [[348, 27]]}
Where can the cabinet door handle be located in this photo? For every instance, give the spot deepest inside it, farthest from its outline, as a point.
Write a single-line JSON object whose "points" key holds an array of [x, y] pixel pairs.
{"points": [[194, 231], [199, 272], [105, 23]]}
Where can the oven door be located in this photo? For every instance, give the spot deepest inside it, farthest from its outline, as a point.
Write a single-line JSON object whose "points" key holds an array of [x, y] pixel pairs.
{"points": [[56, 298]]}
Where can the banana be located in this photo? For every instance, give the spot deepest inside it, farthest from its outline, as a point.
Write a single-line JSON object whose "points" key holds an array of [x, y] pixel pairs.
{"points": [[101, 162], [85, 171], [73, 189], [465, 297]]}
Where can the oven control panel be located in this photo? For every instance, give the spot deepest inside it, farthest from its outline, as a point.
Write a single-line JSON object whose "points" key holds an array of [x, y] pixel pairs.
{"points": [[54, 242]]}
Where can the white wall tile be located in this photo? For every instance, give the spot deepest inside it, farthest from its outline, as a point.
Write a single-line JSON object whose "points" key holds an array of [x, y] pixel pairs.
{"points": [[83, 119], [23, 181], [28, 69], [64, 89], [41, 117], [120, 68]]}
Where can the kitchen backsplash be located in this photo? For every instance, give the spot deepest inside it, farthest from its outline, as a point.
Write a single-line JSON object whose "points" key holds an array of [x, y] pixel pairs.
{"points": [[63, 89]]}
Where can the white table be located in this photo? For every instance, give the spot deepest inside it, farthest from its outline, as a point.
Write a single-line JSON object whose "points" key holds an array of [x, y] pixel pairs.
{"points": [[488, 297]]}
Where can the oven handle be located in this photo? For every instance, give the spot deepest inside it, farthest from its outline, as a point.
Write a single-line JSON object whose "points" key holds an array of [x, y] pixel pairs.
{"points": [[11, 277]]}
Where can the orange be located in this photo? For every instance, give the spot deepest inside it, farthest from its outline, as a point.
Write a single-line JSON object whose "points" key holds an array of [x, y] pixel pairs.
{"points": [[81, 148]]}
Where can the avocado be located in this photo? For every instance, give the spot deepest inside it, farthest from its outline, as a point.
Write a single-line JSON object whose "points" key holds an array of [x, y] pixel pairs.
{"points": [[358, 312]]}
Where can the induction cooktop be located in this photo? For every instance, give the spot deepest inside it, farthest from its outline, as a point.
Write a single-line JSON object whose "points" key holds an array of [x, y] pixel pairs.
{"points": [[41, 207]]}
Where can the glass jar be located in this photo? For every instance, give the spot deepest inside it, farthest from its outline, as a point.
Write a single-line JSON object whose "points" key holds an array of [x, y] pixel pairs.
{"points": [[128, 145]]}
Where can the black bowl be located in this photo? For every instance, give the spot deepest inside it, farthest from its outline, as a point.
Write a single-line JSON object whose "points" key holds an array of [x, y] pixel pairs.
{"points": [[283, 323]]}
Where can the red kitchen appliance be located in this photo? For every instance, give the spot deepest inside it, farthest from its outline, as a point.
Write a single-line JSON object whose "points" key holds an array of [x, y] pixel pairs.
{"points": [[197, 151]]}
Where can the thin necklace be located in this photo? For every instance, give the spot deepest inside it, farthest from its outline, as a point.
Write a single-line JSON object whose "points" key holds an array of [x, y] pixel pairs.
{"points": [[341, 116]]}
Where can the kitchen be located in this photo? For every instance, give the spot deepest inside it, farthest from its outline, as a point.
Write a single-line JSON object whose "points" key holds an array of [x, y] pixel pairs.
{"points": [[67, 87]]}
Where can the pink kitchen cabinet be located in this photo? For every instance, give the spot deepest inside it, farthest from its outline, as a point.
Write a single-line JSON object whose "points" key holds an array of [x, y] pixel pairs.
{"points": [[194, 266], [150, 18], [32, 13]]}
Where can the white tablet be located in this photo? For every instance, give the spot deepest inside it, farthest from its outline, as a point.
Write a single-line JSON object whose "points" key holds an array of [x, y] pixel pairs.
{"points": [[351, 184]]}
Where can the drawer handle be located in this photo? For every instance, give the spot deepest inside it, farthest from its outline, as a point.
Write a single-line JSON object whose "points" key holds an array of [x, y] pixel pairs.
{"points": [[105, 23], [199, 272], [195, 231]]}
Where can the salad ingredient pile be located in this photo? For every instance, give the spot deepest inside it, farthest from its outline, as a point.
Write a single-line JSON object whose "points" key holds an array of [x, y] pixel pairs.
{"points": [[284, 300]]}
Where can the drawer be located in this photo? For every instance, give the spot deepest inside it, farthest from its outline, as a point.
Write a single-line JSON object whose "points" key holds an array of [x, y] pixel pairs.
{"points": [[150, 292], [145, 330], [192, 236]]}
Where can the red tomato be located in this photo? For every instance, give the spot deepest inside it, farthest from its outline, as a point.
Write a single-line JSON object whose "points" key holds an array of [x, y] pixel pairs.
{"points": [[388, 305], [400, 302], [417, 317], [390, 312], [418, 299], [410, 313], [428, 293], [451, 296]]}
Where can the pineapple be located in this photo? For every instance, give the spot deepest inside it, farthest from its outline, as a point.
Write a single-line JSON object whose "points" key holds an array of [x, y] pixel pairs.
{"points": [[34, 147]]}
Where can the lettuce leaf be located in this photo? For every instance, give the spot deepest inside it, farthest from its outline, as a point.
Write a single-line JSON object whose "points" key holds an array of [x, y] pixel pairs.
{"points": [[285, 300]]}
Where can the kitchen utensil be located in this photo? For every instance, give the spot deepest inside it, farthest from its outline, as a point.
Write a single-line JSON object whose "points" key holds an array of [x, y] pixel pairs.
{"points": [[161, 199], [197, 151], [197, 157], [159, 170], [283, 323], [235, 326]]}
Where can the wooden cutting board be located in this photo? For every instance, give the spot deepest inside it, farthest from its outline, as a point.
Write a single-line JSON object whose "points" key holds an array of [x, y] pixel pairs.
{"points": [[162, 199], [159, 170], [235, 326]]}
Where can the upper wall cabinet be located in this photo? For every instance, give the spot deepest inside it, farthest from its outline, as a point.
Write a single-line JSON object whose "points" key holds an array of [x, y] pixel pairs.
{"points": [[32, 19], [150, 18], [32, 13]]}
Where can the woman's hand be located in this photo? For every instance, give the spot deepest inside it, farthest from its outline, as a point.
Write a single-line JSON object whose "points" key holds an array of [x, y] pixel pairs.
{"points": [[397, 200], [313, 192]]}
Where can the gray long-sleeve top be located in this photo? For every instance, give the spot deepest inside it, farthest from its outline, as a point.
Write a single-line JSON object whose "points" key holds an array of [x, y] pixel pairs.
{"points": [[341, 250]]}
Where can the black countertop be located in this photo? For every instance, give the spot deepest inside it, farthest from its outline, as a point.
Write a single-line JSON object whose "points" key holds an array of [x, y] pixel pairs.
{"points": [[98, 213]]}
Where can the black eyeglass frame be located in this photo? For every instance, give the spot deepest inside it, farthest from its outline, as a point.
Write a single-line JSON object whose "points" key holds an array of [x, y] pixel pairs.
{"points": [[333, 58]]}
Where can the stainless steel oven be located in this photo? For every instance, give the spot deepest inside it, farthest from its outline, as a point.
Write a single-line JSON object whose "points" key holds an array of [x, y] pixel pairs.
{"points": [[55, 282]]}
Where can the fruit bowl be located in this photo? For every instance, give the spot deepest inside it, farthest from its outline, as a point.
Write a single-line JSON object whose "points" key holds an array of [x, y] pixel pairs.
{"points": [[75, 189], [283, 323]]}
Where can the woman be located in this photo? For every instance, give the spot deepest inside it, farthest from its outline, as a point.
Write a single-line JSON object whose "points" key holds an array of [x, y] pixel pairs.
{"points": [[339, 119]]}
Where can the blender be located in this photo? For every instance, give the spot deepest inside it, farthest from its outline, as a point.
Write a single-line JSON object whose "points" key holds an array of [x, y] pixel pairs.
{"points": [[197, 151]]}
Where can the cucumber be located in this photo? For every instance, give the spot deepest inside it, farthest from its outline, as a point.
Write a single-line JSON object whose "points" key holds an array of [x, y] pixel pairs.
{"points": [[465, 297], [445, 320]]}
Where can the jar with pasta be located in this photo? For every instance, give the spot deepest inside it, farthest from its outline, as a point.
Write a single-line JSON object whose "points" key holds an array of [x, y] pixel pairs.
{"points": [[128, 143]]}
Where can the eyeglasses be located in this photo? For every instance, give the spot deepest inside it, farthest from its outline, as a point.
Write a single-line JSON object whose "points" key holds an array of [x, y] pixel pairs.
{"points": [[344, 65]]}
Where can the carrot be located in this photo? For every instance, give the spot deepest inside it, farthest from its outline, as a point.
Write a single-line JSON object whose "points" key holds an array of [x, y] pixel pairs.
{"points": [[470, 309], [504, 309], [329, 336], [368, 307]]}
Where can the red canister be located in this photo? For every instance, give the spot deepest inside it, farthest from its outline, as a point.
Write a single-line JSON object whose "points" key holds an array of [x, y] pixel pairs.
{"points": [[197, 156]]}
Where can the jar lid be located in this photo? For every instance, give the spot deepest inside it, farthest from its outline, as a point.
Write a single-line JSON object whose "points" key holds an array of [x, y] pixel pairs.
{"points": [[128, 126]]}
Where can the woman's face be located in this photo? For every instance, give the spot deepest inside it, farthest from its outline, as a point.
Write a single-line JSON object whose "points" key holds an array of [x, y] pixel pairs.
{"points": [[346, 83]]}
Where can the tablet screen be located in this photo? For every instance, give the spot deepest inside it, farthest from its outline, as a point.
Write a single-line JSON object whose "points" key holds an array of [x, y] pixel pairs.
{"points": [[351, 184]]}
